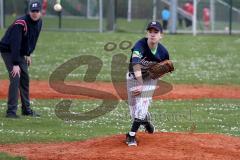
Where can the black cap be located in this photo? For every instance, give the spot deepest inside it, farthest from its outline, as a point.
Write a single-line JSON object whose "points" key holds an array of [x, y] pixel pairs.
{"points": [[156, 25], [35, 6]]}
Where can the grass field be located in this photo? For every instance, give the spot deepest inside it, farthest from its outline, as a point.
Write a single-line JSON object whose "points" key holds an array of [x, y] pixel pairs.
{"points": [[214, 116], [198, 60], [5, 156], [201, 59], [122, 25]]}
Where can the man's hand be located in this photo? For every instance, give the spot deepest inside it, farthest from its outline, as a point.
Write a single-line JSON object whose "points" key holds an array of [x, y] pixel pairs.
{"points": [[16, 71], [29, 60]]}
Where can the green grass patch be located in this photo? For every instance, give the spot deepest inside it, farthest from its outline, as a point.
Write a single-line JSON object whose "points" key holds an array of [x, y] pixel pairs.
{"points": [[202, 59], [5, 156], [74, 23], [122, 25], [207, 116]]}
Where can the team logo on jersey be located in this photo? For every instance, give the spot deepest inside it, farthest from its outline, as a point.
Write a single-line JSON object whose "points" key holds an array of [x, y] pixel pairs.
{"points": [[145, 63]]}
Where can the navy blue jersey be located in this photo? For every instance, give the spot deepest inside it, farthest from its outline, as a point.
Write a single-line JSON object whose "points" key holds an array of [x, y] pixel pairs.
{"points": [[145, 57], [21, 37]]}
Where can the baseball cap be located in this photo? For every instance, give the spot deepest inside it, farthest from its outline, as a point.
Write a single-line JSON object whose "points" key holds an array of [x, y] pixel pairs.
{"points": [[35, 6], [156, 25]]}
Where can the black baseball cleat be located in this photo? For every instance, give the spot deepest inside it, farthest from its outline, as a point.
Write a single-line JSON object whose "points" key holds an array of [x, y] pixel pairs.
{"points": [[149, 127], [30, 113], [131, 140]]}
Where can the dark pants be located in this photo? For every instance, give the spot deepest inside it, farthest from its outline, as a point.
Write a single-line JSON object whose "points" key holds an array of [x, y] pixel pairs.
{"points": [[188, 22], [165, 24], [17, 84]]}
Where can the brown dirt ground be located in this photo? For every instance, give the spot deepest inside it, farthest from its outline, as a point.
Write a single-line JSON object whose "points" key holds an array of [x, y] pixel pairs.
{"points": [[42, 90], [166, 146]]}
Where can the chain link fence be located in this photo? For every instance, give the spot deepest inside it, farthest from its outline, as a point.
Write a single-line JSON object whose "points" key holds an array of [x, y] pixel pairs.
{"points": [[213, 16]]}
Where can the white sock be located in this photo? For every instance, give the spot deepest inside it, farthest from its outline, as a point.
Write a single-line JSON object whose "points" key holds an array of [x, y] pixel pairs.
{"points": [[132, 133]]}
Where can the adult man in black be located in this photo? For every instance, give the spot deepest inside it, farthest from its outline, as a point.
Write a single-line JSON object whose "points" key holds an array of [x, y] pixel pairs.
{"points": [[16, 48]]}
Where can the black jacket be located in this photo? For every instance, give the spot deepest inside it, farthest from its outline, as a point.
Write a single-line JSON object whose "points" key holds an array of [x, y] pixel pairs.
{"points": [[21, 37]]}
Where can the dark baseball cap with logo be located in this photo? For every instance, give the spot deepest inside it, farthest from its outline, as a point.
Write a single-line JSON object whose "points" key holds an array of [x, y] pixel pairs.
{"points": [[156, 25], [35, 6]]}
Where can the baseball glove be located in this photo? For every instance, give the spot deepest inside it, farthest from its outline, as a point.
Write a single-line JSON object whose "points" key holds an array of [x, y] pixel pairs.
{"points": [[160, 69]]}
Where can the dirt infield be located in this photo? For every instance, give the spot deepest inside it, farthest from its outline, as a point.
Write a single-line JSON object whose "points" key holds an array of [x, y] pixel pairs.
{"points": [[42, 90], [154, 147]]}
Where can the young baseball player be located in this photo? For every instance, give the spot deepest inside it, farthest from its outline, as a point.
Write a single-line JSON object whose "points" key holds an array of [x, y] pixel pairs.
{"points": [[16, 48], [146, 52]]}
